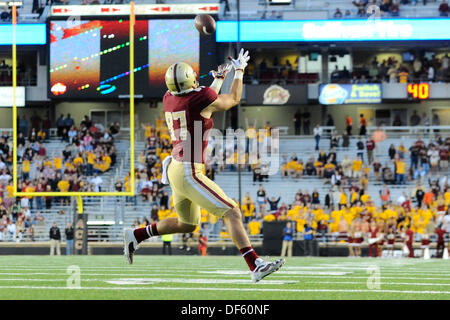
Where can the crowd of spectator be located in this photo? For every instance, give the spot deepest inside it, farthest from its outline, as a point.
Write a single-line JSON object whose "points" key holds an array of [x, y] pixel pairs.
{"points": [[347, 208], [383, 9], [88, 152], [431, 69]]}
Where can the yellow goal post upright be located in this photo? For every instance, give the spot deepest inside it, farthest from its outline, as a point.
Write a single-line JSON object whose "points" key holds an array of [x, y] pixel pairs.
{"points": [[78, 195]]}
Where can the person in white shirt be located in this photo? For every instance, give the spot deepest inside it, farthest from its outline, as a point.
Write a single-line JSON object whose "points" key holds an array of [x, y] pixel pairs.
{"points": [[4, 178], [11, 230], [72, 134], [24, 202], [317, 134], [96, 182], [430, 73]]}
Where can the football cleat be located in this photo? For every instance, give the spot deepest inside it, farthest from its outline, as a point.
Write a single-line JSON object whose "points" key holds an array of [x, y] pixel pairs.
{"points": [[130, 244], [264, 268]]}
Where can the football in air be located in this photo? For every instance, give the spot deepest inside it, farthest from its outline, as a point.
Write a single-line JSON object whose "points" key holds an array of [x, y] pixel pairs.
{"points": [[205, 24]]}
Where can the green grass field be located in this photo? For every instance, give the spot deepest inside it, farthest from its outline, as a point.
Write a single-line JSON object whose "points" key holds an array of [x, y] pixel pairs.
{"points": [[221, 278]]}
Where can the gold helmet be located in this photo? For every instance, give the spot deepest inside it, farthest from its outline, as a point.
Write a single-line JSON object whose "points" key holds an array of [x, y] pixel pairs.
{"points": [[181, 78]]}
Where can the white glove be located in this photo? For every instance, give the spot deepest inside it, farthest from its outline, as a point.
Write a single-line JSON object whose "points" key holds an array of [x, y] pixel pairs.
{"points": [[241, 62], [221, 72]]}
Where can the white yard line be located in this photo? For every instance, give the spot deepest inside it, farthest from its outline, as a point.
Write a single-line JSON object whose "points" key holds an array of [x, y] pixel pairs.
{"points": [[149, 281], [230, 289], [382, 283]]}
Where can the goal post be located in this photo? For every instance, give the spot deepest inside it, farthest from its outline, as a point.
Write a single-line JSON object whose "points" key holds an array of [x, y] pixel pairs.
{"points": [[78, 195]]}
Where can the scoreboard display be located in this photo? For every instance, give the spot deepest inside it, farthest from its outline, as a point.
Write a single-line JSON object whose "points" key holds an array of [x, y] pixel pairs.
{"points": [[89, 59], [420, 91]]}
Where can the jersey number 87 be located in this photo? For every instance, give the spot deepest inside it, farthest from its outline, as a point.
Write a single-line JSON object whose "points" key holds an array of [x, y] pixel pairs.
{"points": [[181, 116]]}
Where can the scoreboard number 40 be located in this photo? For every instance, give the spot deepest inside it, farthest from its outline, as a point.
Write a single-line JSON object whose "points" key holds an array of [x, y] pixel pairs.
{"points": [[419, 90]]}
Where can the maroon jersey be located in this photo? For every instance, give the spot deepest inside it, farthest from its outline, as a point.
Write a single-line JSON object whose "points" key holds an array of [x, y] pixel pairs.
{"points": [[188, 129]]}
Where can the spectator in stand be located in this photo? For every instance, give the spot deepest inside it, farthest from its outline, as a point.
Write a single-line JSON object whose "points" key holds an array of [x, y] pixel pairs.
{"points": [[288, 237], [385, 195], [347, 14], [23, 126], [348, 125], [317, 134], [444, 9], [60, 125], [400, 167], [69, 238], [394, 9], [55, 240], [273, 15], [362, 125], [68, 122], [338, 13], [361, 5], [308, 239], [360, 149], [261, 198], [370, 146]]}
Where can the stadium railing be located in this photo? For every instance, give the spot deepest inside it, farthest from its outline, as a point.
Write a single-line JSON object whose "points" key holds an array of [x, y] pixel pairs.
{"points": [[398, 131]]}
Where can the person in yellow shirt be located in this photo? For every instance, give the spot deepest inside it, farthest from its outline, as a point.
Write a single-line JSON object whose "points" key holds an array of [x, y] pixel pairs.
{"points": [[107, 159], [163, 212], [63, 186], [356, 168], [164, 154], [365, 197], [26, 169], [343, 199], [10, 190], [254, 227], [148, 129], [69, 168], [291, 167], [78, 162], [46, 162], [354, 197], [249, 211], [319, 167], [334, 227], [90, 159], [204, 215], [400, 170], [269, 217]]}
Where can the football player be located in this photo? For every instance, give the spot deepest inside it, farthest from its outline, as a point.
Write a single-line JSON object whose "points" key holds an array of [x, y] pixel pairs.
{"points": [[189, 110]]}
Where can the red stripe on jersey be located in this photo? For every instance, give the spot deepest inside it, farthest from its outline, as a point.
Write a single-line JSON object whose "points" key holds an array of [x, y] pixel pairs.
{"points": [[208, 188]]}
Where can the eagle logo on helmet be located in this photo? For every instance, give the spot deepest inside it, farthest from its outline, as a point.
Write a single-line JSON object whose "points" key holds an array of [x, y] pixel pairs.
{"points": [[181, 78]]}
